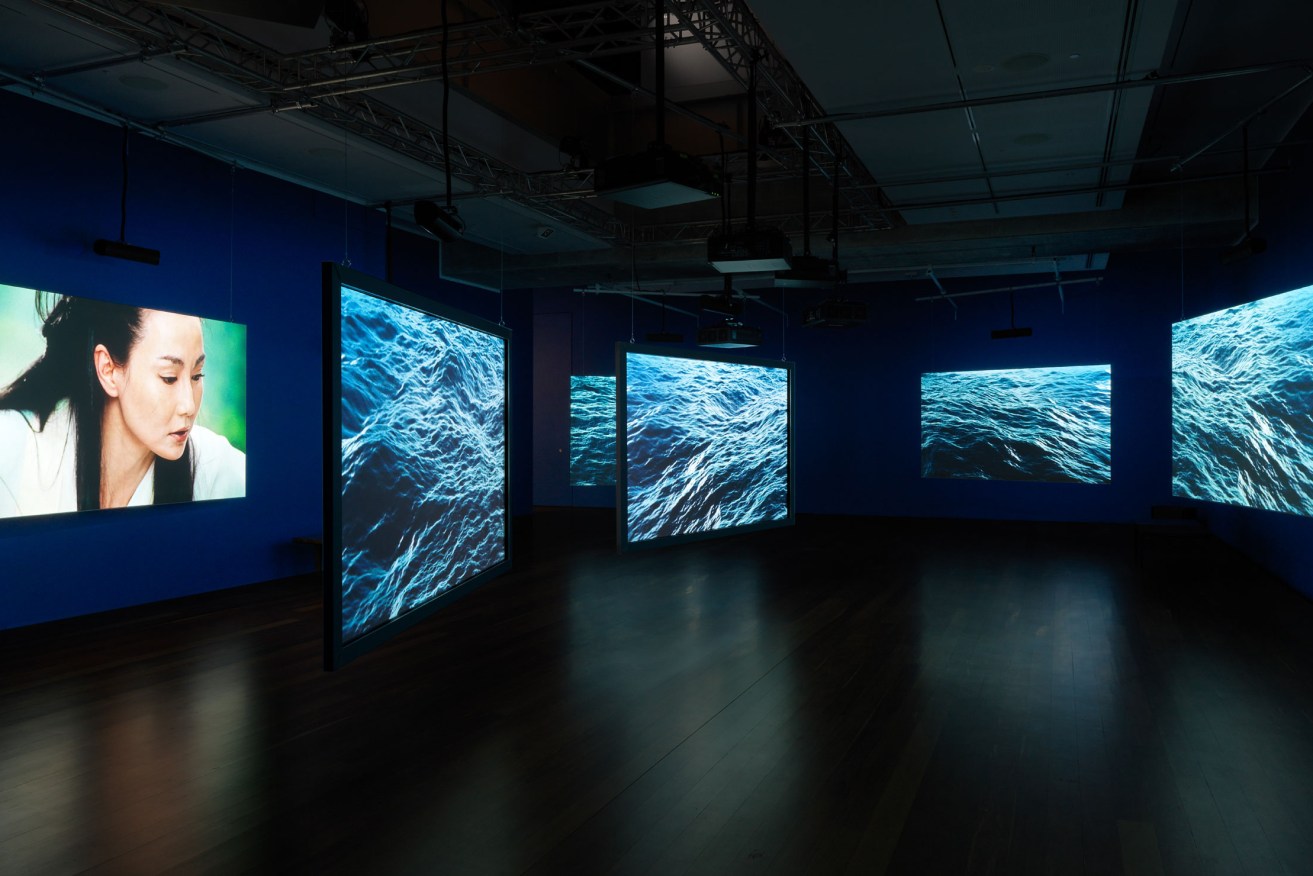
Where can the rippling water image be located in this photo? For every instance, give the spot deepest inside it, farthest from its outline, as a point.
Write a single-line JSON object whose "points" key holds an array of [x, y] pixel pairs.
{"points": [[707, 445], [423, 458], [1242, 404], [592, 431], [1028, 424]]}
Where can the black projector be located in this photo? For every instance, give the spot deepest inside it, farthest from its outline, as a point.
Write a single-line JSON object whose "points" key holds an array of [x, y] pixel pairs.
{"points": [[749, 250], [834, 313], [729, 336], [444, 223], [659, 177], [810, 272]]}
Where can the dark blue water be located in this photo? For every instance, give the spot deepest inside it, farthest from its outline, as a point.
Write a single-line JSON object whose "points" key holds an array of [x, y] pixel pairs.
{"points": [[592, 431], [1242, 404], [707, 445], [1029, 424], [423, 458]]}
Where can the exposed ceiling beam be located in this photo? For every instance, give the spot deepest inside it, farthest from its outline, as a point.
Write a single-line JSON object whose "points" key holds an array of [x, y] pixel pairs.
{"points": [[1151, 80]]}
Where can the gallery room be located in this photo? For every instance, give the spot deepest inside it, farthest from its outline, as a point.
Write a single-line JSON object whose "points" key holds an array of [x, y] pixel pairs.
{"points": [[681, 436]]}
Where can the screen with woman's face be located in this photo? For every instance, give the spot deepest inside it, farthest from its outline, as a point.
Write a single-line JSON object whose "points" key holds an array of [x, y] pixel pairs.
{"points": [[419, 470], [106, 405]]}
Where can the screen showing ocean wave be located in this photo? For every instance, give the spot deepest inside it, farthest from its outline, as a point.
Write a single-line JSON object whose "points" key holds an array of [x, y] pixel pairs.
{"points": [[1242, 404], [706, 445], [1028, 424], [423, 465], [592, 431]]}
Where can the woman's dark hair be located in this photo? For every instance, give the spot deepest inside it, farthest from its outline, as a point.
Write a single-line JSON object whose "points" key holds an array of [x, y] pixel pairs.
{"points": [[72, 328]]}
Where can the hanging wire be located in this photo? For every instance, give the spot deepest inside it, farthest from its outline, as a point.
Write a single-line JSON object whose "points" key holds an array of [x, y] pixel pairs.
{"points": [[346, 224], [1180, 192], [633, 279], [784, 322], [232, 232], [123, 197], [501, 285]]}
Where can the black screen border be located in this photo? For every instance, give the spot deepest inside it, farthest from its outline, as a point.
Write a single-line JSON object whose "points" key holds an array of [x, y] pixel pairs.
{"points": [[338, 653], [622, 351]]}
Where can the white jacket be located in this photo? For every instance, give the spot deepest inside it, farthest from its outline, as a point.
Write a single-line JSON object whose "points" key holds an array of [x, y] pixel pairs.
{"points": [[38, 469]]}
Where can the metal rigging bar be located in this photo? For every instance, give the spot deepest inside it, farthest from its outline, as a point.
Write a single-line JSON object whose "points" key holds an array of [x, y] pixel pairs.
{"points": [[729, 31], [240, 61]]}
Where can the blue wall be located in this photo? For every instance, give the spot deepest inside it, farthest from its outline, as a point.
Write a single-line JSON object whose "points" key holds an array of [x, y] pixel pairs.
{"points": [[857, 397], [62, 192]]}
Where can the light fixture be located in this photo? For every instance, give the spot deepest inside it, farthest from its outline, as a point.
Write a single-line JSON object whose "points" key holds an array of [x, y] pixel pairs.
{"points": [[443, 222], [1013, 331], [835, 311], [664, 336], [729, 335], [121, 249], [1247, 245], [752, 249], [807, 271], [660, 176], [732, 333]]}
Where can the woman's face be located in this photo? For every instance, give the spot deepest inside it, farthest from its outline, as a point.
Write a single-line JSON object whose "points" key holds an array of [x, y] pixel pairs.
{"points": [[159, 388]]}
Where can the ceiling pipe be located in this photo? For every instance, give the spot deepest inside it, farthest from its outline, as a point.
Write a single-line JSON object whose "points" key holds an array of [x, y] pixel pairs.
{"points": [[1088, 190], [995, 291], [1243, 123], [1151, 80]]}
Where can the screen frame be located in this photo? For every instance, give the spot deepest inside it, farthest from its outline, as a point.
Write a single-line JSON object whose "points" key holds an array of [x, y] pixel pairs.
{"points": [[1171, 373], [337, 652], [622, 351], [961, 479]]}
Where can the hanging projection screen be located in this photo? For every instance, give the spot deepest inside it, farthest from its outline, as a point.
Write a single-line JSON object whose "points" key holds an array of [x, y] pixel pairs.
{"points": [[1020, 424], [592, 430], [106, 405], [704, 445], [416, 478], [1242, 405]]}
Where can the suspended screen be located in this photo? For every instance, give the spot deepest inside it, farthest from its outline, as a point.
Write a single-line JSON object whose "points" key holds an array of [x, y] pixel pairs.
{"points": [[1242, 404], [416, 459], [705, 446]]}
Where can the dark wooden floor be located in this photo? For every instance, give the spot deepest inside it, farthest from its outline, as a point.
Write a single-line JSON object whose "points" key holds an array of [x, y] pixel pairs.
{"points": [[849, 696]]}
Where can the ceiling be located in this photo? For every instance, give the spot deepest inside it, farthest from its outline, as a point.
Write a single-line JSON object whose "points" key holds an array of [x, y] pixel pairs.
{"points": [[973, 137]]}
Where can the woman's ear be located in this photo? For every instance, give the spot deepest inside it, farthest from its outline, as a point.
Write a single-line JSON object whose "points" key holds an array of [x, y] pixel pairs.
{"points": [[106, 371]]}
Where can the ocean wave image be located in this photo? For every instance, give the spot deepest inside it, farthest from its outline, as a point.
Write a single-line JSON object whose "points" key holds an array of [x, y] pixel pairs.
{"points": [[1027, 424], [707, 445], [423, 458], [592, 431], [1242, 404]]}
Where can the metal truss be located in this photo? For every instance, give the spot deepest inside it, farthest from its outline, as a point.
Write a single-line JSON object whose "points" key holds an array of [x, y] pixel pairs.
{"points": [[236, 59], [789, 223], [336, 84], [730, 32]]}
